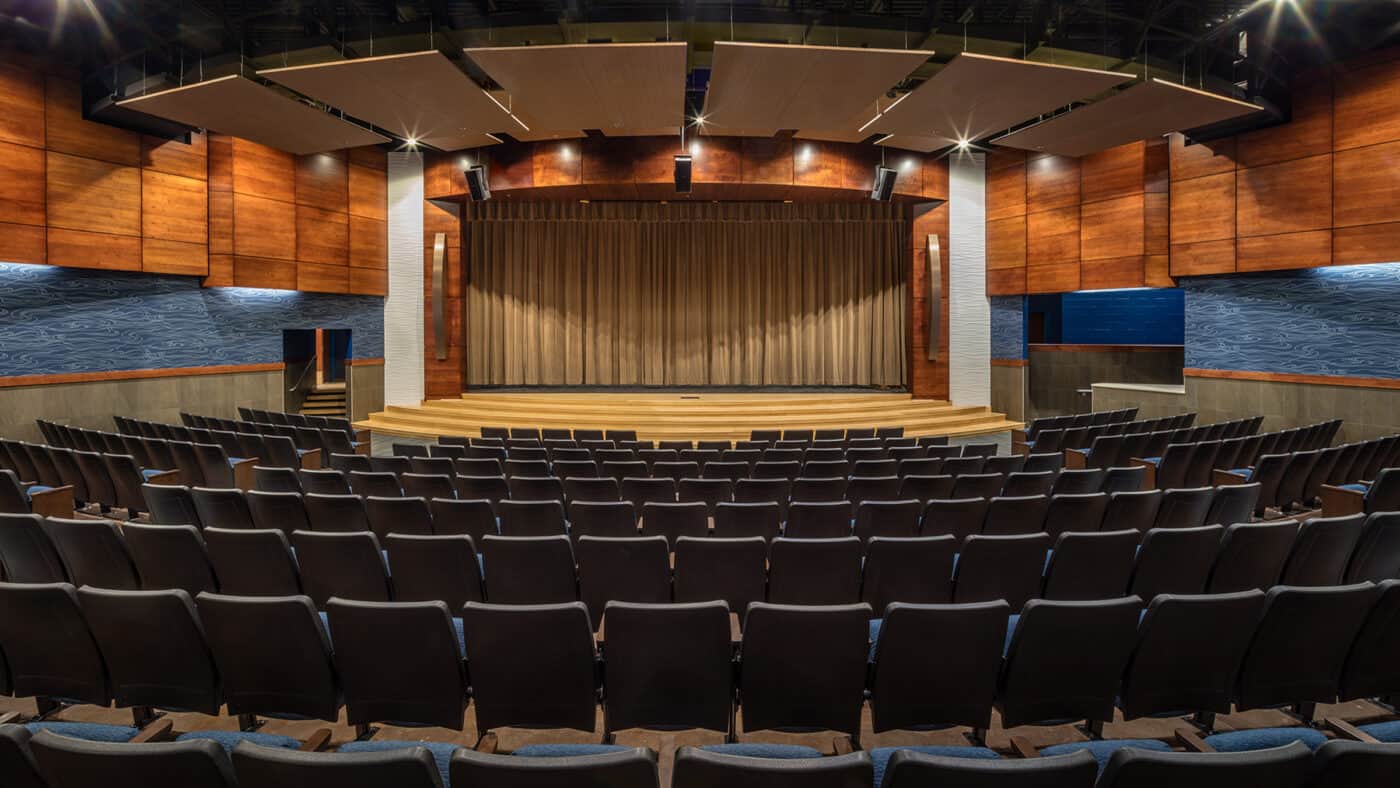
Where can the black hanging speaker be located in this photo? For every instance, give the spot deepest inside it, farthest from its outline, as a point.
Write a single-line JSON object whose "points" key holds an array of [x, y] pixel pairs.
{"points": [[476, 183], [683, 162], [884, 184]]}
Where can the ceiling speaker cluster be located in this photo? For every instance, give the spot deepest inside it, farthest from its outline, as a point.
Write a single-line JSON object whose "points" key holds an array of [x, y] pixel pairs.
{"points": [[683, 166], [884, 184], [477, 185]]}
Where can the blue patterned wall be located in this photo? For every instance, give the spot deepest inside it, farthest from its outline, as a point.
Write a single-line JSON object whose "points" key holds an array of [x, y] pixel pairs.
{"points": [[1008, 327], [1137, 316], [58, 320], [1323, 321]]}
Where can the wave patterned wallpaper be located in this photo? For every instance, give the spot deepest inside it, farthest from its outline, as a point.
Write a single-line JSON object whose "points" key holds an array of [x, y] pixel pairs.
{"points": [[1008, 327], [61, 320], [1342, 320]]}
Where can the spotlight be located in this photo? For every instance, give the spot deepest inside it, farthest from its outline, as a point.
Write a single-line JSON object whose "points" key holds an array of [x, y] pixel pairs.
{"points": [[695, 148], [411, 142], [964, 145]]}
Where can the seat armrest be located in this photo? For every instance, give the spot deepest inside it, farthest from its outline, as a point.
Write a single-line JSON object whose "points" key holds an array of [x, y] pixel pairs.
{"points": [[1022, 748], [243, 473], [159, 730], [57, 502], [1340, 502], [317, 741], [1227, 478], [167, 477], [1149, 479], [311, 460], [1192, 741], [1076, 459], [1346, 730], [361, 436]]}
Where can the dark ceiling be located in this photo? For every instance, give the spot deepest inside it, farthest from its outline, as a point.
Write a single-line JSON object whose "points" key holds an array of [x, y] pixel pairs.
{"points": [[118, 41]]}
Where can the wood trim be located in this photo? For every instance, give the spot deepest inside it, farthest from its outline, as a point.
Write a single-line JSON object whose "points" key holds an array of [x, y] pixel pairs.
{"points": [[1058, 348], [1288, 377], [134, 374], [365, 362], [1010, 362]]}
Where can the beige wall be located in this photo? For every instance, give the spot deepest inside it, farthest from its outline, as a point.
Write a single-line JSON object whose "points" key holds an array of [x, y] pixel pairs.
{"points": [[1150, 404], [1366, 413], [365, 384], [1009, 391], [92, 405], [1055, 375]]}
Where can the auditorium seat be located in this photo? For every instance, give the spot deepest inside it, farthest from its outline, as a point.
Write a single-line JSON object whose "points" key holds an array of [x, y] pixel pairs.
{"points": [[705, 767], [566, 469], [916, 570], [326, 482], [1377, 554], [814, 571], [911, 767], [127, 480], [1184, 508], [453, 517], [171, 505], [283, 511], [93, 553], [964, 465], [1023, 483], [957, 517], [1009, 516], [674, 520], [290, 674], [1086, 566], [860, 489], [429, 568], [529, 570], [817, 489], [1349, 764], [337, 513], [818, 520], [888, 518], [251, 562], [732, 570], [608, 518], [926, 488], [676, 470], [1251, 556], [1370, 667], [1321, 551], [1188, 652], [1135, 767], [777, 490], [1234, 503], [1124, 479], [1136, 510], [1292, 483], [27, 554], [1175, 561], [804, 668], [399, 515], [73, 763], [531, 666], [668, 666], [617, 767], [527, 517], [707, 491], [476, 466], [426, 486], [735, 520], [275, 479], [641, 490], [1000, 567], [632, 569], [399, 663], [364, 765], [345, 565], [920, 466], [1041, 462], [169, 556], [1080, 481], [1074, 512], [486, 488], [1064, 660]]}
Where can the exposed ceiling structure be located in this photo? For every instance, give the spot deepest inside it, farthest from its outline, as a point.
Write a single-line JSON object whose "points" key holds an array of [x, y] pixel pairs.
{"points": [[913, 74]]}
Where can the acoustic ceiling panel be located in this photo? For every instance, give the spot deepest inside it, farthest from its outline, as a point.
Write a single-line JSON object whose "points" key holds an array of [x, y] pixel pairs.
{"points": [[977, 95], [915, 142], [243, 108], [420, 95], [1144, 111], [592, 86], [784, 86]]}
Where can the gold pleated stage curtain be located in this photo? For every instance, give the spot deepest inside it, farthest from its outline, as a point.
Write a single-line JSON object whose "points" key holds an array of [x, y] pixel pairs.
{"points": [[685, 294]]}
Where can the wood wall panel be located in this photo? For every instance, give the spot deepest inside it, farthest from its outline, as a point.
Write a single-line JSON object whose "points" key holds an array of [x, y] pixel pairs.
{"points": [[1308, 133], [1007, 281], [176, 157], [1367, 106], [1052, 182], [23, 243], [607, 168], [369, 243], [1156, 223], [1057, 278], [1203, 209], [174, 208], [1195, 161], [65, 130], [1116, 172], [322, 236], [159, 256], [220, 222], [1371, 243], [1052, 236], [323, 278], [1289, 250], [370, 156], [1006, 243], [369, 281], [261, 171], [22, 99], [322, 181], [817, 164], [92, 195], [1112, 228], [1206, 257], [1118, 272], [1157, 271], [220, 163], [767, 161], [1366, 185], [263, 228], [369, 193], [1288, 197], [1006, 192], [556, 164], [21, 184], [260, 272], [858, 171], [79, 249], [220, 271]]}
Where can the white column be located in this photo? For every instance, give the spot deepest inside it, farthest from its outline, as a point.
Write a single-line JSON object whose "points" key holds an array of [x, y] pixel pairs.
{"points": [[969, 311], [403, 309]]}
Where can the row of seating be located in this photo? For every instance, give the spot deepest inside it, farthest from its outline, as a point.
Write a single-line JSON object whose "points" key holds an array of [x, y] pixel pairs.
{"points": [[1119, 416], [48, 759], [1082, 438], [677, 666], [219, 424], [245, 444], [749, 457], [532, 570]]}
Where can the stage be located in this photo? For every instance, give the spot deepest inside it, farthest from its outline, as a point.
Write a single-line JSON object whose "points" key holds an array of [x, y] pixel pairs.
{"points": [[684, 415]]}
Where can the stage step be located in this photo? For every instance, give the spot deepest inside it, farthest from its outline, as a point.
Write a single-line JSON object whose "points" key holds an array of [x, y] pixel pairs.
{"points": [[325, 400], [681, 416]]}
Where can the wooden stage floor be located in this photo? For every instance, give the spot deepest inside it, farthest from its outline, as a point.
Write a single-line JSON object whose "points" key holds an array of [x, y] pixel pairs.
{"points": [[683, 415]]}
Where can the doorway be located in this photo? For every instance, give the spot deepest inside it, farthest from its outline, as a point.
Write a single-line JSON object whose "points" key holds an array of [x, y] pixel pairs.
{"points": [[315, 363]]}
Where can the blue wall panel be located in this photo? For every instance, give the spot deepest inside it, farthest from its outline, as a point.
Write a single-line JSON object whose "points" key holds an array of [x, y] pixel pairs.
{"points": [[1122, 317], [59, 320], [1008, 327], [1321, 321]]}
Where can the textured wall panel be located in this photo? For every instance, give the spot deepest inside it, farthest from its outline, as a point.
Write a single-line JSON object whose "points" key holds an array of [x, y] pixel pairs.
{"points": [[969, 318], [67, 321], [1324, 321], [1008, 327], [403, 310]]}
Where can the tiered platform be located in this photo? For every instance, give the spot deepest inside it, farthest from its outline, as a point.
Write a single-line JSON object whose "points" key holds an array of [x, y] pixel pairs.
{"points": [[684, 415]]}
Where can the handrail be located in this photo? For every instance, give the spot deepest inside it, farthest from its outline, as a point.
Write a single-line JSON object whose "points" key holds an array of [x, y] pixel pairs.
{"points": [[310, 365]]}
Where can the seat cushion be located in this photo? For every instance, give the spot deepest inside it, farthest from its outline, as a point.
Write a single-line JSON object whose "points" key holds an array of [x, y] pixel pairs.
{"points": [[564, 750], [874, 636], [88, 731], [1361, 488], [147, 473], [1265, 738], [761, 750], [35, 489], [230, 739], [1245, 472], [442, 751], [1103, 750], [1010, 630], [1384, 731], [880, 756]]}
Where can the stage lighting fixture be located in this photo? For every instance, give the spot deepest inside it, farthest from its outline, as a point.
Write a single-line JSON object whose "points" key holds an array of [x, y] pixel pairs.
{"points": [[683, 162]]}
